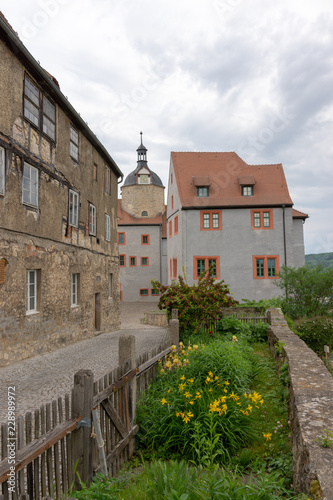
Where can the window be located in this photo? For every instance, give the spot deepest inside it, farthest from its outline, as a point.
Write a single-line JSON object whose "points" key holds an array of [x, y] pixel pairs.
{"points": [[75, 289], [145, 240], [265, 266], [92, 219], [31, 291], [110, 285], [74, 143], [176, 225], [38, 109], [154, 292], [170, 228], [107, 180], [2, 171], [171, 178], [95, 172], [144, 214], [132, 261], [202, 264], [30, 185], [262, 219], [172, 202], [121, 239], [144, 292], [247, 190], [144, 261], [174, 268], [122, 260], [202, 192], [73, 215], [210, 220], [107, 227]]}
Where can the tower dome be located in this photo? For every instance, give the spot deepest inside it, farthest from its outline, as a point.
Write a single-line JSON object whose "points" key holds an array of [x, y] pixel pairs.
{"points": [[142, 174]]}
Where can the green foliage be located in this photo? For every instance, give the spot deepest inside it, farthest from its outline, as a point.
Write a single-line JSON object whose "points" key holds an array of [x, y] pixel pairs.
{"points": [[197, 305], [101, 488], [326, 439], [253, 332], [316, 332], [308, 292], [323, 259], [261, 305], [196, 390]]}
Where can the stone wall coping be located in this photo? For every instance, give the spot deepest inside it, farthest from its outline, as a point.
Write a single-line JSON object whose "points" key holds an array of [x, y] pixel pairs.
{"points": [[311, 409]]}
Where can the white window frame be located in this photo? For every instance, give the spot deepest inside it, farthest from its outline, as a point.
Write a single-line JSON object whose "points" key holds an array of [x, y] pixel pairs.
{"points": [[32, 288], [107, 228], [75, 290], [28, 183], [92, 219], [73, 208], [74, 143], [2, 171]]}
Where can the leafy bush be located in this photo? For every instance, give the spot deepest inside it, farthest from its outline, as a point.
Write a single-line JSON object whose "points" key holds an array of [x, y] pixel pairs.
{"points": [[194, 393], [198, 305], [261, 305], [308, 292], [253, 332], [316, 332]]}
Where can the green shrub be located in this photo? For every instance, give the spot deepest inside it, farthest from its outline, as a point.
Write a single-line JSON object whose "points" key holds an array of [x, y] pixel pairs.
{"points": [[316, 332], [198, 305], [261, 305], [197, 390], [253, 332]]}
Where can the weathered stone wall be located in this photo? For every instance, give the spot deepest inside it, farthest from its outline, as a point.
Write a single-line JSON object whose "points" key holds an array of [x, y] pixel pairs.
{"points": [[156, 318], [136, 199], [311, 409], [56, 323]]}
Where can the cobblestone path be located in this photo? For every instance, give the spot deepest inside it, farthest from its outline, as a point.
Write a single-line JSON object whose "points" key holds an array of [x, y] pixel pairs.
{"points": [[40, 379]]}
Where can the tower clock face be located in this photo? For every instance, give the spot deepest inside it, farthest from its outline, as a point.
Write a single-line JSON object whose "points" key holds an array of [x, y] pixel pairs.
{"points": [[144, 179]]}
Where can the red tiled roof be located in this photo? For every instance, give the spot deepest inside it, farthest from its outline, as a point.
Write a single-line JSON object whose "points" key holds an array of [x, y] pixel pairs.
{"points": [[126, 219], [9, 26], [226, 171], [299, 215]]}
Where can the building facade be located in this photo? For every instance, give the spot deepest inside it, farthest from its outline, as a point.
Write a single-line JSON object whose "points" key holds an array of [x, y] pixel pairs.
{"points": [[235, 217], [141, 232], [59, 272]]}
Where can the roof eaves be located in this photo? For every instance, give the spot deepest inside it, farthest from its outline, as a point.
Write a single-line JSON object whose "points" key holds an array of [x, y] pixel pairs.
{"points": [[43, 74]]}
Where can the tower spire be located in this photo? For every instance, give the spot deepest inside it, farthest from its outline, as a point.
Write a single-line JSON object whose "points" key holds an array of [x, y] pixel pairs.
{"points": [[142, 154]]}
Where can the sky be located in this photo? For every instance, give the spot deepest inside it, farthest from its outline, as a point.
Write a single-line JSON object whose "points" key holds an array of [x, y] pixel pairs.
{"points": [[250, 76]]}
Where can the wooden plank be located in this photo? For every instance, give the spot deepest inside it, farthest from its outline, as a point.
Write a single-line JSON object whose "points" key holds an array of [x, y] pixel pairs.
{"points": [[103, 394], [29, 452], [49, 458], [62, 449], [20, 444], [121, 445], [43, 457], [99, 442], [56, 457], [152, 361], [70, 463], [114, 417], [28, 437], [36, 494]]}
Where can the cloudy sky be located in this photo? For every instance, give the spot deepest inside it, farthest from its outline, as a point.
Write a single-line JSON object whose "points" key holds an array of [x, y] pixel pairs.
{"points": [[250, 76]]}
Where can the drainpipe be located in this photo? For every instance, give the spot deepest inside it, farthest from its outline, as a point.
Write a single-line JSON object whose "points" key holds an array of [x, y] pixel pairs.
{"points": [[284, 240], [161, 253]]}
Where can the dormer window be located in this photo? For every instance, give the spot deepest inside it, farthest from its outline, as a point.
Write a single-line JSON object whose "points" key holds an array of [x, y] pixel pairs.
{"points": [[247, 190], [202, 191], [144, 214]]}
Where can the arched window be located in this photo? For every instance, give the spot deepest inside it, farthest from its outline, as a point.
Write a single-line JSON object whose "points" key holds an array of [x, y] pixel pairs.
{"points": [[144, 214]]}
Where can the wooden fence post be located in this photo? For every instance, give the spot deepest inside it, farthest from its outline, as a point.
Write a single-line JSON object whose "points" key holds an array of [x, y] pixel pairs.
{"points": [[81, 440], [127, 351], [174, 328]]}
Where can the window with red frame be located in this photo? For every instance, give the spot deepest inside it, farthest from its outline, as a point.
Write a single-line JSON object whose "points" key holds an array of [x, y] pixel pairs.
{"points": [[176, 225], [132, 261], [265, 266], [170, 228], [210, 220], [262, 219], [202, 264]]}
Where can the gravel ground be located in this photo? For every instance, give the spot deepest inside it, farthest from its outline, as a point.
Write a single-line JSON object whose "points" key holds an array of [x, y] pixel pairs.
{"points": [[40, 379]]}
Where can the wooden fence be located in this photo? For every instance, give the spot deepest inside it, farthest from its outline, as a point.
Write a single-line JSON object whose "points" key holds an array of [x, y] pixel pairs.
{"points": [[249, 317], [88, 431]]}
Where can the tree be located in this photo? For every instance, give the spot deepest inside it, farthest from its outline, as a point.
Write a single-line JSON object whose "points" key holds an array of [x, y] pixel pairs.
{"points": [[198, 305], [308, 292]]}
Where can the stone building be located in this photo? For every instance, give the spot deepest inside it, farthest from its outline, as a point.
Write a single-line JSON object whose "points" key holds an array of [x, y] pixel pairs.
{"points": [[235, 217], [59, 273], [141, 232]]}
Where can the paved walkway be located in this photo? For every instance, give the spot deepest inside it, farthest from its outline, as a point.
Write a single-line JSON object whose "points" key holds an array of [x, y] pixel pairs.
{"points": [[40, 379]]}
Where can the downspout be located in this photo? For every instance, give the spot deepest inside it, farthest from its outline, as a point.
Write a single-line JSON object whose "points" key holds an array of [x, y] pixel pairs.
{"points": [[161, 267]]}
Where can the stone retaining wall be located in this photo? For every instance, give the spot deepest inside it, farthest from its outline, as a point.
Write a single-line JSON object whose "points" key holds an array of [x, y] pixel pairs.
{"points": [[311, 410], [155, 318]]}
